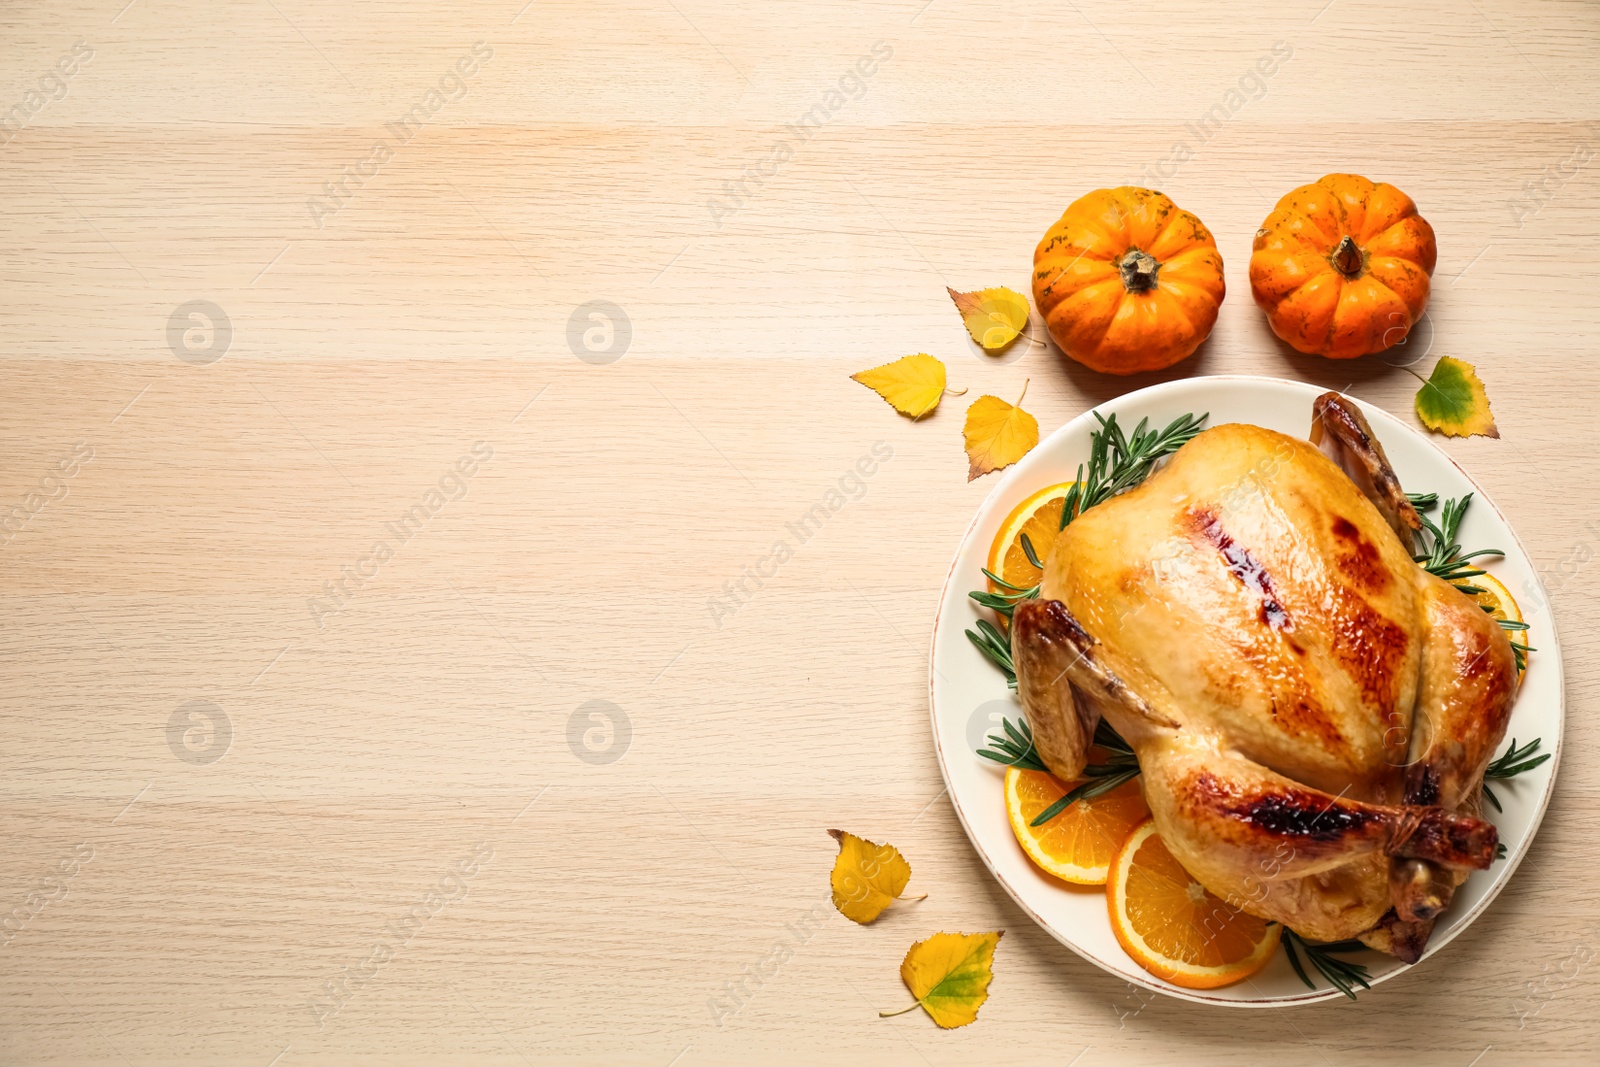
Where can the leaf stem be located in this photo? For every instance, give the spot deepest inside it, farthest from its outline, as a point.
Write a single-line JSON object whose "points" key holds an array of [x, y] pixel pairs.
{"points": [[888, 1014], [1027, 332]]}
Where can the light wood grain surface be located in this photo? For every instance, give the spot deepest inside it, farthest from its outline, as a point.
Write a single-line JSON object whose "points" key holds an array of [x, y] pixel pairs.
{"points": [[402, 763]]}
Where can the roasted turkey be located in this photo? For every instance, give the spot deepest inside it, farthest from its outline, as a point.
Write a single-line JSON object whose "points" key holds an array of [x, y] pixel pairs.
{"points": [[1312, 710]]}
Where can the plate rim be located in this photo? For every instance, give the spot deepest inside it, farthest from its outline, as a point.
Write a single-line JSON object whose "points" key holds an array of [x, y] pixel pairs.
{"points": [[1144, 979]]}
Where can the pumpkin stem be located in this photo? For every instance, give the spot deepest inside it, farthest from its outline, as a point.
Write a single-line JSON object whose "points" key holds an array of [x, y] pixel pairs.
{"points": [[1347, 259], [1139, 270]]}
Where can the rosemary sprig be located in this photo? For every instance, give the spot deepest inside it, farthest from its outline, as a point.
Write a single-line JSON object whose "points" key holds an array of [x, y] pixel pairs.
{"points": [[1102, 778], [1513, 761], [1422, 500], [1005, 603], [1445, 559], [1519, 650], [1015, 748], [1510, 763], [1118, 463], [993, 644], [1341, 974]]}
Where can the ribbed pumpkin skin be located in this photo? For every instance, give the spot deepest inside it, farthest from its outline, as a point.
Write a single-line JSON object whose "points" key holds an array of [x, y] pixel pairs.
{"points": [[1089, 309], [1312, 304]]}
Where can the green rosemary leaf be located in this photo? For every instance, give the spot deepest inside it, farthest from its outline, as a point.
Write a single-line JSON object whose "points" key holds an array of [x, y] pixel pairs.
{"points": [[1074, 499], [1103, 780], [1022, 738], [1444, 556], [1341, 974], [1014, 747], [1017, 759], [997, 580], [1510, 763], [1106, 736], [1455, 571], [1006, 746], [1027, 550], [994, 647], [1003, 603], [1106, 781], [1514, 761], [1294, 959], [1053, 810]]}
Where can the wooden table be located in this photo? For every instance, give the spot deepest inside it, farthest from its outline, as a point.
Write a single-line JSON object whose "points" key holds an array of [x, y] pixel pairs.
{"points": [[285, 282]]}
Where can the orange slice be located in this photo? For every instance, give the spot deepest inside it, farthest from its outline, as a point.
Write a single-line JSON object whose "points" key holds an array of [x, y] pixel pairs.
{"points": [[1499, 602], [1077, 845], [1495, 596], [1172, 925], [1039, 517]]}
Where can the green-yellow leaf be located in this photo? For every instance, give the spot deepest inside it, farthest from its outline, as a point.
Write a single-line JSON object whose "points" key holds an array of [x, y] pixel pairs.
{"points": [[997, 434], [866, 877], [993, 317], [1453, 401], [912, 384], [949, 975]]}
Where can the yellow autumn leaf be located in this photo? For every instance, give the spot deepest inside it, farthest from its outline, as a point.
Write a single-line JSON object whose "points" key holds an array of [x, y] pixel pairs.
{"points": [[993, 317], [911, 384], [1452, 400], [949, 975], [998, 434], [866, 877]]}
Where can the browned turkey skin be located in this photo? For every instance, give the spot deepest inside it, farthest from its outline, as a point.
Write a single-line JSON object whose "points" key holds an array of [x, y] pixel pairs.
{"points": [[1312, 711]]}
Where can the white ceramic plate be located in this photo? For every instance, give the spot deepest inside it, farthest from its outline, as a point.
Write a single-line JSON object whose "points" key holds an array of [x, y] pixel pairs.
{"points": [[968, 695]]}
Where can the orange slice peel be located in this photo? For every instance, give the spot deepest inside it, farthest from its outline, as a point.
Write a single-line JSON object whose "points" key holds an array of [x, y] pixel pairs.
{"points": [[1173, 926]]}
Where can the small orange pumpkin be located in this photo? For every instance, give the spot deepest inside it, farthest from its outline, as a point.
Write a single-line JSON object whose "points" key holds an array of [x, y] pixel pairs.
{"points": [[1127, 282], [1342, 266]]}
